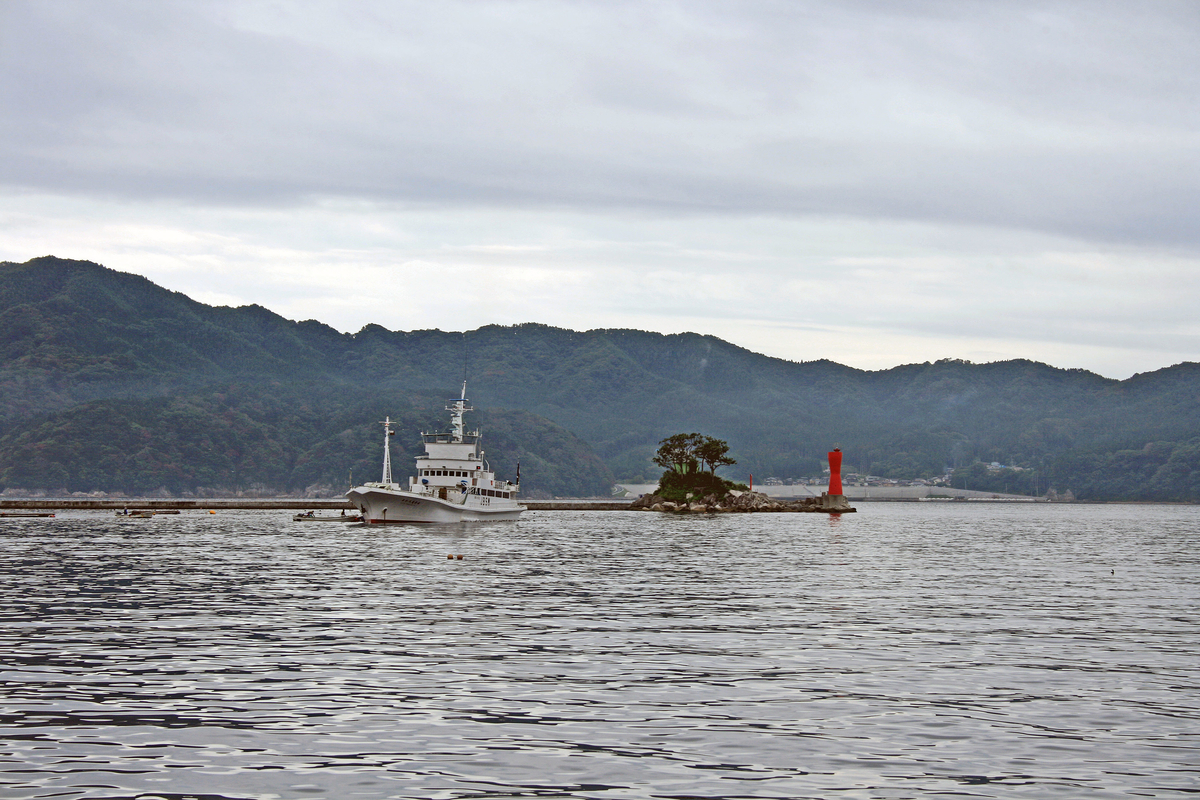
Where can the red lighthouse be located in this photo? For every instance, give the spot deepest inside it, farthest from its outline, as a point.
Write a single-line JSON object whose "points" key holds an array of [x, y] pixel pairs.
{"points": [[835, 471]]}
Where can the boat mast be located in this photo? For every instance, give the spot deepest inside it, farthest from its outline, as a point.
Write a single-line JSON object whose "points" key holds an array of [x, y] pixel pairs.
{"points": [[387, 450], [456, 414]]}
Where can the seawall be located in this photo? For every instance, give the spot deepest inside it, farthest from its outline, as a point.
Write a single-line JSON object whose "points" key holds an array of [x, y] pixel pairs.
{"points": [[288, 503]]}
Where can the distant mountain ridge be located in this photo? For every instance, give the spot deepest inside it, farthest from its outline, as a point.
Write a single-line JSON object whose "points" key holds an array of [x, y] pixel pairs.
{"points": [[81, 341]]}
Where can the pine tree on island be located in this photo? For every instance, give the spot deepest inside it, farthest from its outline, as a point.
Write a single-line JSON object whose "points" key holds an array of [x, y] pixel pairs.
{"points": [[691, 461]]}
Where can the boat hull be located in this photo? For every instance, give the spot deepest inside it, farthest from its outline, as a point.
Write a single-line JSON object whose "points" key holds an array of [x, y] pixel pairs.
{"points": [[314, 518], [396, 506]]}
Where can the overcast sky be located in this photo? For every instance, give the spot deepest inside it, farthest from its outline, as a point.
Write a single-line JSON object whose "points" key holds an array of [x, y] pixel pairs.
{"points": [[877, 183]]}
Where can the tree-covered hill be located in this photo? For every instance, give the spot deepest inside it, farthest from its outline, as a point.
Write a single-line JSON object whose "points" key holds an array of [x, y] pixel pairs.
{"points": [[274, 438], [80, 341], [109, 382]]}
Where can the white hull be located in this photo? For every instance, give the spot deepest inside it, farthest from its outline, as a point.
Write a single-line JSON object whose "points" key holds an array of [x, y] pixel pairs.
{"points": [[381, 505]]}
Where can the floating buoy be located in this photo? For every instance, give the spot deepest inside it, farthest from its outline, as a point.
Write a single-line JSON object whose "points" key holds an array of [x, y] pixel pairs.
{"points": [[212, 512], [459, 558], [450, 556]]}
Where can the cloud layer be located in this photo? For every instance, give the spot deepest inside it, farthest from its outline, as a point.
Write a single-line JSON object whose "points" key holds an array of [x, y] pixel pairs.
{"points": [[996, 180]]}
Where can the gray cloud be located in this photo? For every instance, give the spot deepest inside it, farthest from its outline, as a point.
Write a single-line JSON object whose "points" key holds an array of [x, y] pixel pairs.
{"points": [[896, 181], [1076, 118]]}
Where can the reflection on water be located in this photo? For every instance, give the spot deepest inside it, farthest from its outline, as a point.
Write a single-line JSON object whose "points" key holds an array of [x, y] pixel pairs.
{"points": [[903, 651]]}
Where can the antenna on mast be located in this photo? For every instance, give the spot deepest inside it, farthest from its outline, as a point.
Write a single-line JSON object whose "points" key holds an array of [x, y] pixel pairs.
{"points": [[387, 450], [464, 343]]}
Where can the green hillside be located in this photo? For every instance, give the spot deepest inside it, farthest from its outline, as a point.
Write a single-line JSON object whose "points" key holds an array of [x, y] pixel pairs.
{"points": [[271, 439], [86, 347]]}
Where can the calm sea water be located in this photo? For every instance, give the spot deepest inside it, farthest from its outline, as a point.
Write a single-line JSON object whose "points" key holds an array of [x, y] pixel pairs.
{"points": [[909, 650]]}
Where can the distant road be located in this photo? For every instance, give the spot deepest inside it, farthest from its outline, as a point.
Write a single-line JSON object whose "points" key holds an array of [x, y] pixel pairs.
{"points": [[859, 492]]}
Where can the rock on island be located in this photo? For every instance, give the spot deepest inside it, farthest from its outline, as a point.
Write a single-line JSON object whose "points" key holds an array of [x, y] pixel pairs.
{"points": [[739, 502]]}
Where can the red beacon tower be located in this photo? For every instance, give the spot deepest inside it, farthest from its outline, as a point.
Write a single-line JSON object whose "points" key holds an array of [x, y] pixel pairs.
{"points": [[834, 501], [835, 471]]}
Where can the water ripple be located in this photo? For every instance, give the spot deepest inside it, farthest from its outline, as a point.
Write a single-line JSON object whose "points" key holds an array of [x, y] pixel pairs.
{"points": [[976, 651]]}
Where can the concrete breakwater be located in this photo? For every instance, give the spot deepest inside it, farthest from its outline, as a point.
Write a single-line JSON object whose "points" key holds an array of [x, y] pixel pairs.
{"points": [[279, 503], [170, 504]]}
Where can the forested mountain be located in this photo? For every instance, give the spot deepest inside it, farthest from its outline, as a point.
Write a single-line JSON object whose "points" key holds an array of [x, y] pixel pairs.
{"points": [[109, 381]]}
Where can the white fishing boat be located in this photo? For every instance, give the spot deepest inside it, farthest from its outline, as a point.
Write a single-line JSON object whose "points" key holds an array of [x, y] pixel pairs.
{"points": [[453, 482]]}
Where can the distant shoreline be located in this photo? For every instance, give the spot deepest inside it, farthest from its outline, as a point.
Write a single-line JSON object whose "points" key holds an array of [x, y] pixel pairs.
{"points": [[560, 504], [257, 503]]}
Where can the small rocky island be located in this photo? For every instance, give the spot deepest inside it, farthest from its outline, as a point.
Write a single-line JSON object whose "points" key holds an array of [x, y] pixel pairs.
{"points": [[690, 484]]}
